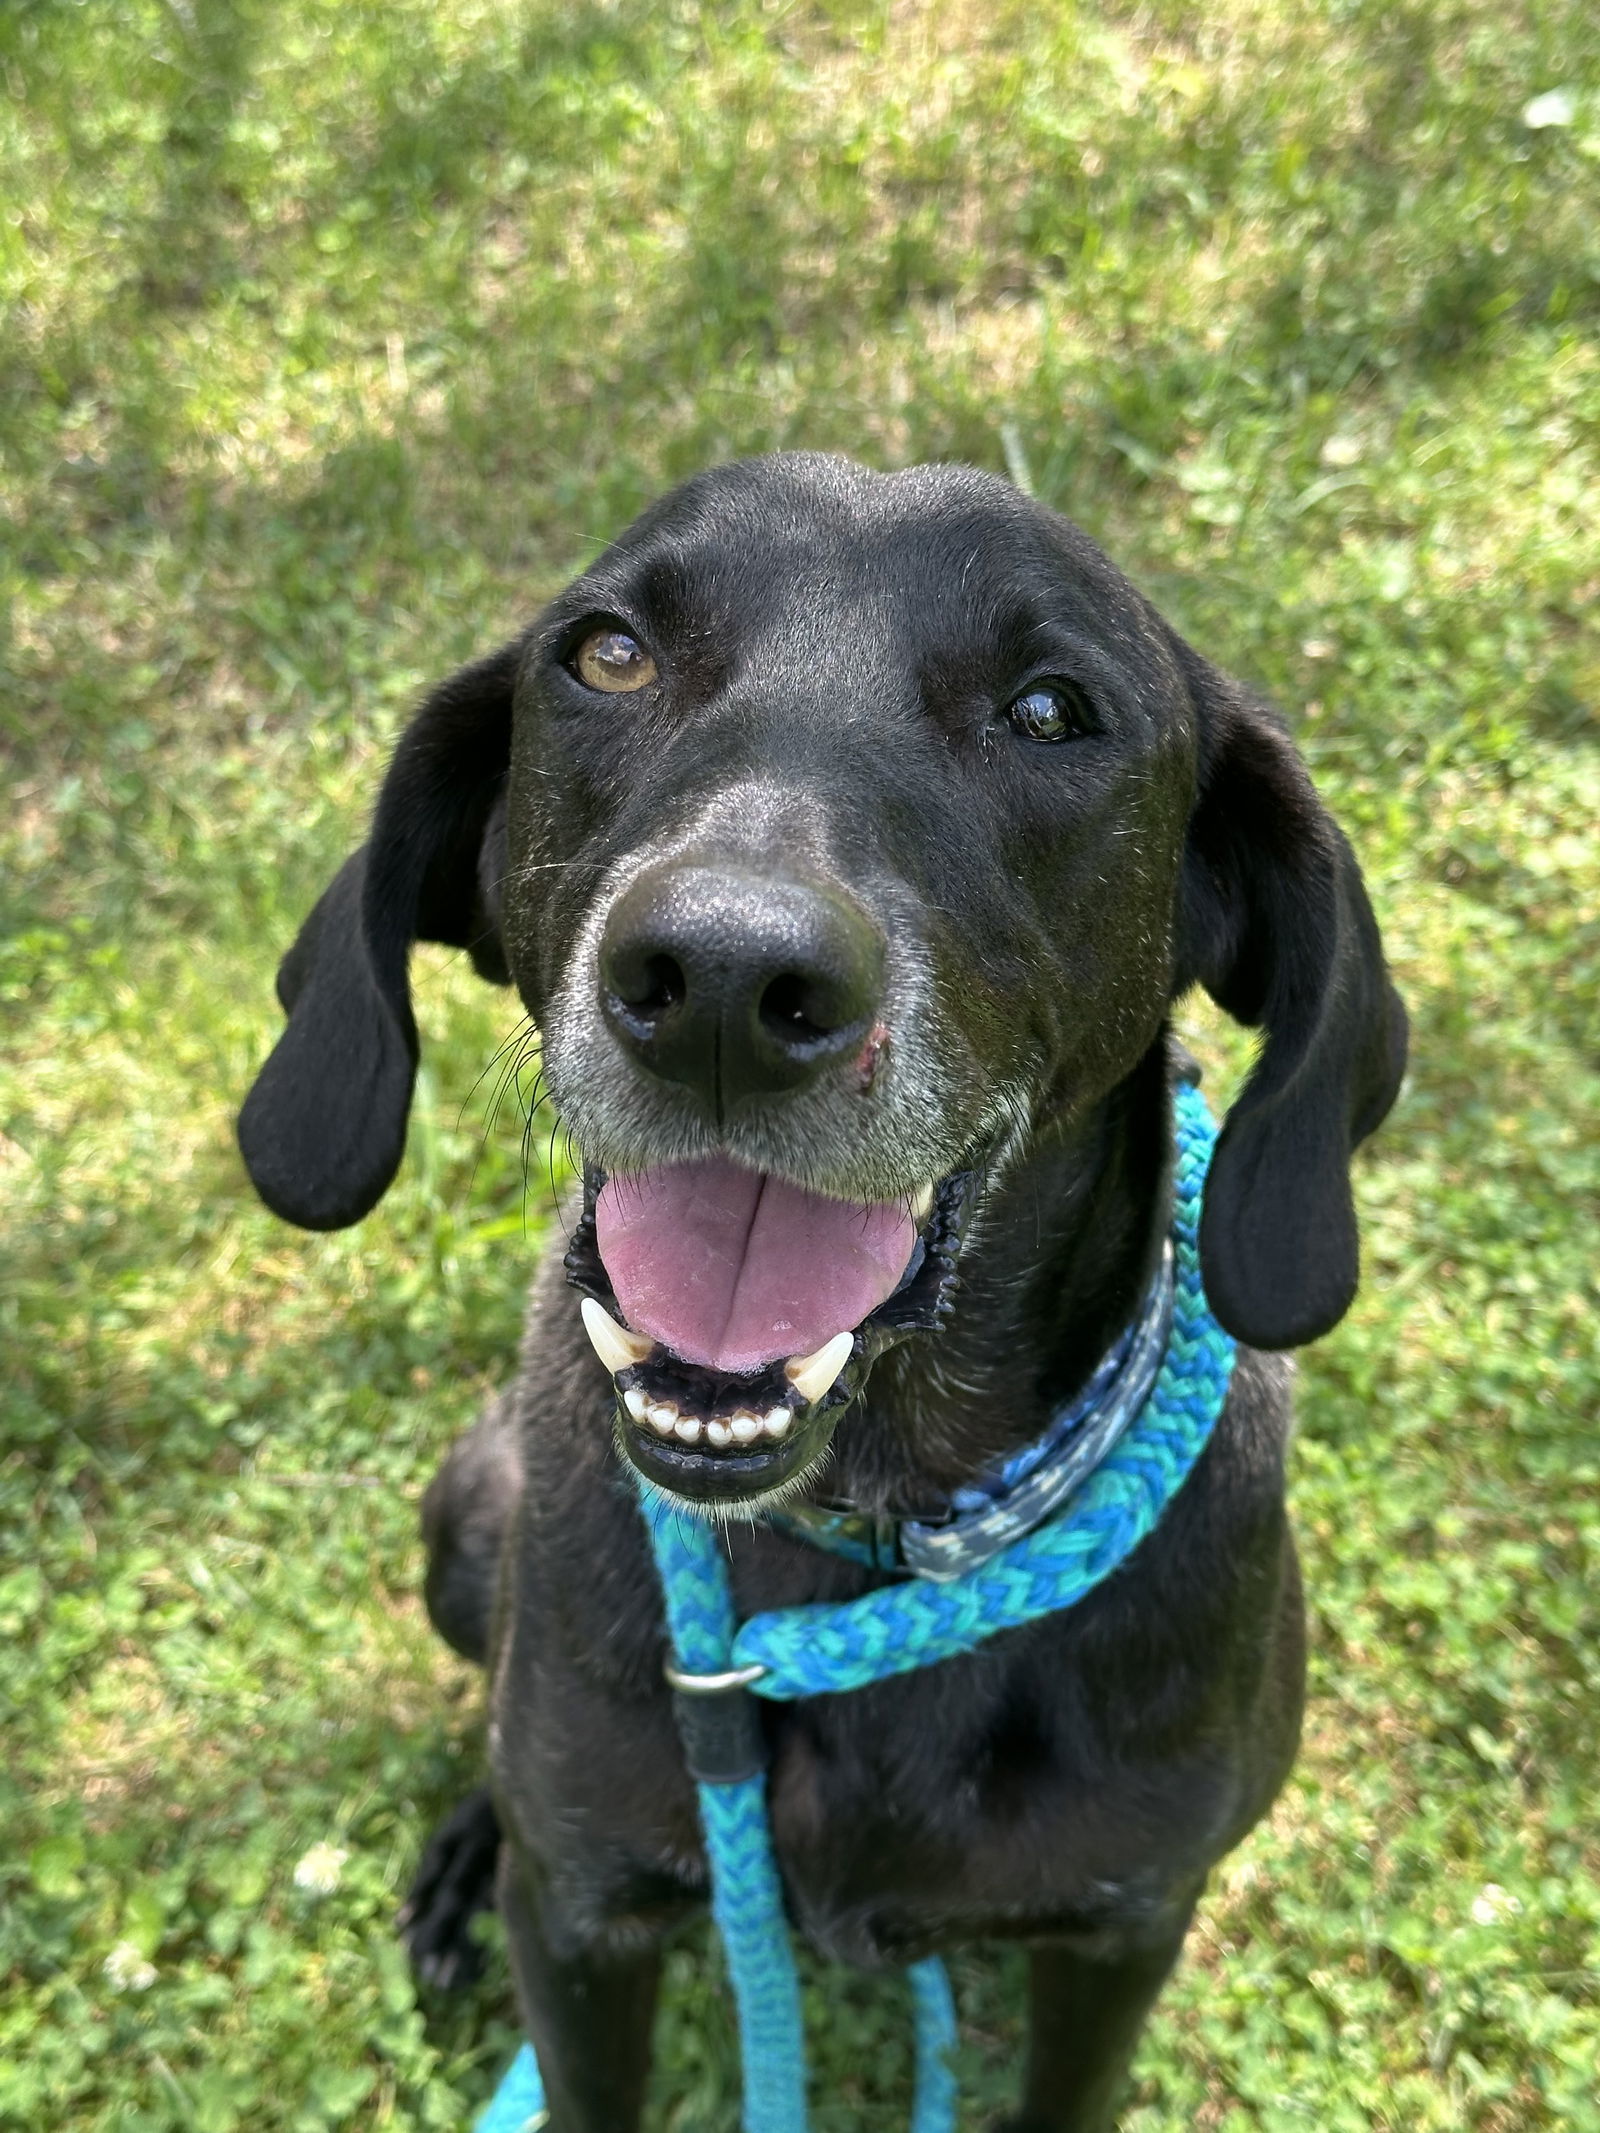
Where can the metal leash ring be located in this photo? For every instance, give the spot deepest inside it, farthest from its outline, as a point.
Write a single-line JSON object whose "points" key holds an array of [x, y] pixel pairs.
{"points": [[737, 1677]]}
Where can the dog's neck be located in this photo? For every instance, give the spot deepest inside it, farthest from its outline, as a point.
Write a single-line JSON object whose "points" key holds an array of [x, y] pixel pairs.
{"points": [[1060, 1261]]}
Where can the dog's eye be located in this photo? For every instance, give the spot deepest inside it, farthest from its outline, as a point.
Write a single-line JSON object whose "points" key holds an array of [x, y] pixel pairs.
{"points": [[1053, 711], [611, 660]]}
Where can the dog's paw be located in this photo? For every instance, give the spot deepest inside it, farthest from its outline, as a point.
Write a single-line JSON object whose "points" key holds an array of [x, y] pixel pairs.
{"points": [[454, 1883]]}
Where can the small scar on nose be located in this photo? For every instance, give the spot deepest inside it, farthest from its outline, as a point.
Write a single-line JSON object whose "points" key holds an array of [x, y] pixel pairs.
{"points": [[871, 1057]]}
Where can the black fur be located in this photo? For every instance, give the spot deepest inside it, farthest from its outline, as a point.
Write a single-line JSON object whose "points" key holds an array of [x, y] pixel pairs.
{"points": [[837, 651]]}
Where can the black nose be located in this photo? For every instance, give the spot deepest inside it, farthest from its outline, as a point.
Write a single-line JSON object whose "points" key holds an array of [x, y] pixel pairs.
{"points": [[735, 984]]}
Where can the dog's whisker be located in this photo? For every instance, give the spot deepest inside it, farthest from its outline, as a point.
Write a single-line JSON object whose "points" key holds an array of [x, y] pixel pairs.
{"points": [[513, 1046]]}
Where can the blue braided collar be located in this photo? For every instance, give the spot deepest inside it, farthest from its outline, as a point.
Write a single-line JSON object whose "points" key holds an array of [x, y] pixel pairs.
{"points": [[1025, 1488]]}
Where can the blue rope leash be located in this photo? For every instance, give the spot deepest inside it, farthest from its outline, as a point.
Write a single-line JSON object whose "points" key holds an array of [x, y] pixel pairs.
{"points": [[517, 2105], [746, 1893], [819, 1650], [933, 2010]]}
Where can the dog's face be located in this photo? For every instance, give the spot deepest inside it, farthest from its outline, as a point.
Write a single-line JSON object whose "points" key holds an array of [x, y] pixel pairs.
{"points": [[843, 833]]}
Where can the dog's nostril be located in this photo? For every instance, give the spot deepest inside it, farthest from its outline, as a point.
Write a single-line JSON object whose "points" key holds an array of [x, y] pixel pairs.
{"points": [[642, 986], [657, 985], [792, 1010]]}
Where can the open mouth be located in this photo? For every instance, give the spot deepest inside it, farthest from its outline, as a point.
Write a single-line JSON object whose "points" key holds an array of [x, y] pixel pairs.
{"points": [[740, 1314]]}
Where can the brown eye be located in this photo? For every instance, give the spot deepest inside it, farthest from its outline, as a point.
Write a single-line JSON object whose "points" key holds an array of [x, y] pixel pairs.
{"points": [[611, 660], [1053, 711]]}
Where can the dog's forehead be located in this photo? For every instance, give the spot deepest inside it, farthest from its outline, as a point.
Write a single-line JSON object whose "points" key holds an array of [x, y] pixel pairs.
{"points": [[757, 539]]}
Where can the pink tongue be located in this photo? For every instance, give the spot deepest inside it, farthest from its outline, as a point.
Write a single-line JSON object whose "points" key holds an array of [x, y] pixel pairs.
{"points": [[732, 1269]]}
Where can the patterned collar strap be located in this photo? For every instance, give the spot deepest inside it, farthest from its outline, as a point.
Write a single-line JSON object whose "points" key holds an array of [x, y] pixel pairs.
{"points": [[1021, 1491]]}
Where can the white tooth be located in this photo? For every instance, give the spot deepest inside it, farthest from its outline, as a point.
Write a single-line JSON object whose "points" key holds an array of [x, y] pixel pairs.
{"points": [[720, 1435], [663, 1419], [617, 1348], [688, 1427], [811, 1375], [776, 1420], [921, 1204], [635, 1402], [745, 1425]]}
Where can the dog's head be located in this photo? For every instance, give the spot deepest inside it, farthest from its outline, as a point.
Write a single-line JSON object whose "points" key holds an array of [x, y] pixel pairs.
{"points": [[842, 833]]}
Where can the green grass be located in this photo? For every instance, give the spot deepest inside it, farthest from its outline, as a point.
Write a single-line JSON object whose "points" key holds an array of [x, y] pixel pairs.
{"points": [[332, 339]]}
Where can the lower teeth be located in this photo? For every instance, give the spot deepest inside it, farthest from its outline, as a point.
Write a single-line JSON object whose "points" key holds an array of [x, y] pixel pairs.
{"points": [[720, 1431]]}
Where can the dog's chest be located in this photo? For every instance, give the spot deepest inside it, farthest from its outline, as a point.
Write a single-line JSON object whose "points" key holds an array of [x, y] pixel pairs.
{"points": [[977, 1807], [978, 1800]]}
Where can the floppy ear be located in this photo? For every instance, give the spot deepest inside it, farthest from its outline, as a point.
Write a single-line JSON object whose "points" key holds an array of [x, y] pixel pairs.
{"points": [[324, 1127], [1277, 927]]}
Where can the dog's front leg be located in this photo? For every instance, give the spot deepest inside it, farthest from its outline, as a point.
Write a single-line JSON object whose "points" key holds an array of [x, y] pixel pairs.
{"points": [[1084, 2020], [588, 2015]]}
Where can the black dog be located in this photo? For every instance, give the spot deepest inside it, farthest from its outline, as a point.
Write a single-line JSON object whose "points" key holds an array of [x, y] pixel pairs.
{"points": [[849, 838]]}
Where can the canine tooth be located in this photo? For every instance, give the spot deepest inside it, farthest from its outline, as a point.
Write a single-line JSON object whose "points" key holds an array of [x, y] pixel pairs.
{"points": [[720, 1434], [776, 1420], [663, 1418], [688, 1429], [811, 1375], [745, 1426], [616, 1347], [635, 1402], [921, 1204]]}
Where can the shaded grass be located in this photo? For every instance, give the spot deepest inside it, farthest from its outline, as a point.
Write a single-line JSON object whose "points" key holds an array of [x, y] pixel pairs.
{"points": [[332, 342]]}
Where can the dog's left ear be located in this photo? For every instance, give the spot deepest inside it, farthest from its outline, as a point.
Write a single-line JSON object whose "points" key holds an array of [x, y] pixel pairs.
{"points": [[1277, 927], [324, 1127]]}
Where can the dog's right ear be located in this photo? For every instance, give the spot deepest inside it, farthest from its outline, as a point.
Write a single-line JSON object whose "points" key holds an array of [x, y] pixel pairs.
{"points": [[324, 1127], [1277, 927]]}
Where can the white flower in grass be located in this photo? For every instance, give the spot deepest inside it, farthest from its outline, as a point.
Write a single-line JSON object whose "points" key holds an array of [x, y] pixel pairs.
{"points": [[1492, 1903], [1340, 451], [319, 1870], [127, 1969], [1556, 107]]}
